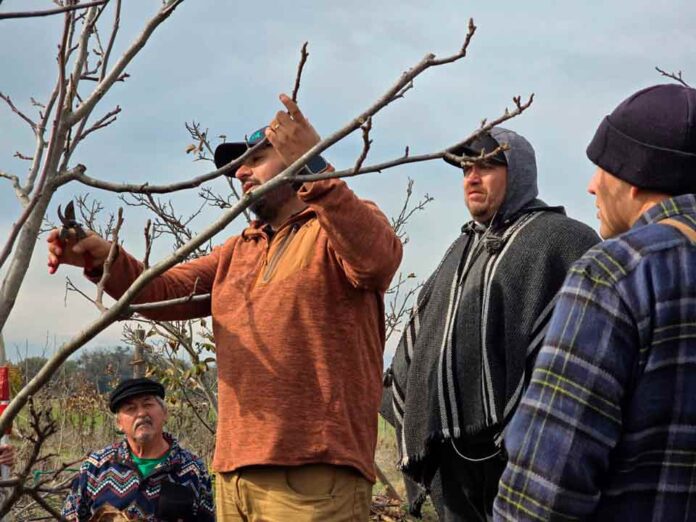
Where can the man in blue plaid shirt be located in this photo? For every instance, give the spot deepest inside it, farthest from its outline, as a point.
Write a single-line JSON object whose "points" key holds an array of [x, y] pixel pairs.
{"points": [[607, 427]]}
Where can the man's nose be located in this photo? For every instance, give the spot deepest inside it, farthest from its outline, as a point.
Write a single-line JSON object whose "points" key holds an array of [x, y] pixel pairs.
{"points": [[592, 186], [243, 172], [472, 176]]}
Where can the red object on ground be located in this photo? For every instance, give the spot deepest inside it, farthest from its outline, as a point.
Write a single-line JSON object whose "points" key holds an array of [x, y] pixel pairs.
{"points": [[4, 383], [5, 391]]}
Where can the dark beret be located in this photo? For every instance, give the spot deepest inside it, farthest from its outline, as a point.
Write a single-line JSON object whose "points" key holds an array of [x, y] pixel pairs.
{"points": [[132, 388]]}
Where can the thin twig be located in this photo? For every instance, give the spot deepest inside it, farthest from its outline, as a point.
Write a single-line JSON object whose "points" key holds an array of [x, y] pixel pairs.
{"points": [[366, 128], [109, 261], [194, 409], [21, 156], [40, 140], [71, 287], [148, 244], [303, 59], [19, 113], [49, 12], [674, 76], [45, 505], [79, 67], [112, 39], [104, 121], [407, 211]]}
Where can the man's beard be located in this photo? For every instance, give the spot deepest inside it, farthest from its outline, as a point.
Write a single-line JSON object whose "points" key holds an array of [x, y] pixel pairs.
{"points": [[267, 208]]}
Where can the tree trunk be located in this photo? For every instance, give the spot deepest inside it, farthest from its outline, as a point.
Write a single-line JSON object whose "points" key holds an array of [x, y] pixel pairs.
{"points": [[23, 250]]}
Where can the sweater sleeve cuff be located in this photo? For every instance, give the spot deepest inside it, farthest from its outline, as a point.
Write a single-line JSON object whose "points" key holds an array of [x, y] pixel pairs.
{"points": [[95, 274]]}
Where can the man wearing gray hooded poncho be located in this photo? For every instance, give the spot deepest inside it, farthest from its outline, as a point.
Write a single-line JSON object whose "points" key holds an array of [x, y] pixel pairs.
{"points": [[460, 366]]}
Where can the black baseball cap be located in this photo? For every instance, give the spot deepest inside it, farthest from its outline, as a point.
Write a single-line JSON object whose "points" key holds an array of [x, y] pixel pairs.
{"points": [[226, 152], [132, 388], [483, 143]]}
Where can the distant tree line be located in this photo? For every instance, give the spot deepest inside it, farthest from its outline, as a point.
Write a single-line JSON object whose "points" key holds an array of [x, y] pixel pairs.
{"points": [[102, 368]]}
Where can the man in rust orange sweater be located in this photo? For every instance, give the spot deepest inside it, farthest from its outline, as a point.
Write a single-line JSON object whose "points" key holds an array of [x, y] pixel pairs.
{"points": [[298, 316]]}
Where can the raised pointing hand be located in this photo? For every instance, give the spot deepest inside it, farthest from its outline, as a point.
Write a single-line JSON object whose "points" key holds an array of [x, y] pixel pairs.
{"points": [[290, 132]]}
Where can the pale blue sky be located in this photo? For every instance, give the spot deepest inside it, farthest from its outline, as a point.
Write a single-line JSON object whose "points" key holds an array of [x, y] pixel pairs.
{"points": [[223, 63]]}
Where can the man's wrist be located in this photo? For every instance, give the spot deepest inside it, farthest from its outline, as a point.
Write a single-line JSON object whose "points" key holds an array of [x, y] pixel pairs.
{"points": [[316, 165], [94, 272]]}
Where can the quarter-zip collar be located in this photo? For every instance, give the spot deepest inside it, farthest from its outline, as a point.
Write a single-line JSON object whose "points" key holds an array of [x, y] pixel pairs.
{"points": [[257, 229]]}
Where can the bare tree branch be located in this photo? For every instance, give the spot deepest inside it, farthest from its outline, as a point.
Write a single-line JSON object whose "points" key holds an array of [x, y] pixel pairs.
{"points": [[109, 79], [674, 76], [146, 188], [398, 304], [42, 502], [56, 133], [89, 214], [303, 59], [19, 191], [21, 156], [79, 67], [40, 140], [104, 121], [49, 12], [214, 199], [366, 128], [17, 227], [194, 409], [19, 113], [80, 63], [148, 243], [197, 181], [72, 287], [168, 223], [109, 260], [406, 212], [112, 39], [146, 307], [407, 158], [42, 426]]}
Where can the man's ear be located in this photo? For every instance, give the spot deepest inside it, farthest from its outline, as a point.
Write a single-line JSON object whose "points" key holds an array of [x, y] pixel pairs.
{"points": [[635, 192], [117, 423]]}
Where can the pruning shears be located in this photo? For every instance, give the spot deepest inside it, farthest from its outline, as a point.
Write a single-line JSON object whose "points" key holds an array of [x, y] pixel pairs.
{"points": [[71, 227]]}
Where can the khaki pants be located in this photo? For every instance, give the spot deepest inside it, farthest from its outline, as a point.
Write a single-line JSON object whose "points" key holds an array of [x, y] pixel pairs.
{"points": [[309, 493]]}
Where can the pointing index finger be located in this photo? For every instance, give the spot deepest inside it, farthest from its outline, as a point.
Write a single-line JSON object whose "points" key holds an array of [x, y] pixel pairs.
{"points": [[292, 108]]}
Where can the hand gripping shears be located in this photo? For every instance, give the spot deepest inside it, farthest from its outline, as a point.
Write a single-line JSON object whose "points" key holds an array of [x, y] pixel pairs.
{"points": [[71, 227]]}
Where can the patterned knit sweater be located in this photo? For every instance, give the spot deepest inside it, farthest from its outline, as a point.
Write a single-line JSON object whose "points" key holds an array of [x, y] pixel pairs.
{"points": [[109, 476]]}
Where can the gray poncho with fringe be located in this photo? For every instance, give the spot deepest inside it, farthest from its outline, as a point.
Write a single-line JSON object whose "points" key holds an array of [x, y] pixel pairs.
{"points": [[459, 368]]}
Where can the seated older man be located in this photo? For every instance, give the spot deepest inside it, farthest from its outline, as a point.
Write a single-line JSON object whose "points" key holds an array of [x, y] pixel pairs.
{"points": [[147, 475]]}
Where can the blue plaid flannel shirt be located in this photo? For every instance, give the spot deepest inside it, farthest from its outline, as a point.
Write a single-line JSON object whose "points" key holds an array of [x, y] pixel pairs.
{"points": [[607, 427]]}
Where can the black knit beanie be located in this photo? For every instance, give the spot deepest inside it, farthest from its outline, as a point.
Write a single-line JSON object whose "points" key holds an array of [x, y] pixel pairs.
{"points": [[650, 140]]}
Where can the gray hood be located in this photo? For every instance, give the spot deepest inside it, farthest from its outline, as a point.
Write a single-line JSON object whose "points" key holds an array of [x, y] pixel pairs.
{"points": [[522, 173]]}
